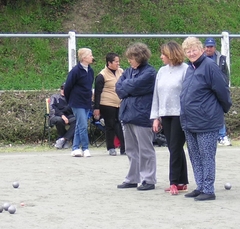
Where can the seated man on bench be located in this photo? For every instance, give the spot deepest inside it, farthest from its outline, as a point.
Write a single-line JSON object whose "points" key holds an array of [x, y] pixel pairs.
{"points": [[61, 115]]}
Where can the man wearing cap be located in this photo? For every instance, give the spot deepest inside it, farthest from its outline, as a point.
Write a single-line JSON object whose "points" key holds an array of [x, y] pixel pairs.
{"points": [[61, 115], [211, 52]]}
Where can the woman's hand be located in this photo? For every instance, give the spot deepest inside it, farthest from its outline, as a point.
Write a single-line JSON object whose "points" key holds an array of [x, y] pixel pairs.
{"points": [[156, 125]]}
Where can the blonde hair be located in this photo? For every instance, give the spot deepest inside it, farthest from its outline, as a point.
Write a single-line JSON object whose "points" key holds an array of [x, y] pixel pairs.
{"points": [[191, 42], [173, 51], [138, 51], [83, 52]]}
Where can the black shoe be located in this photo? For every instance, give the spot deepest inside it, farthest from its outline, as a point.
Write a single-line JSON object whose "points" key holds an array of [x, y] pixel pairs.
{"points": [[204, 196], [127, 185], [193, 194], [145, 186], [123, 153]]}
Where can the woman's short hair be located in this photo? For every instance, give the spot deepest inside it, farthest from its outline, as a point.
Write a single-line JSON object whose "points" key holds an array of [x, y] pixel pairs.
{"points": [[173, 51], [191, 42], [83, 52], [138, 51], [110, 57]]}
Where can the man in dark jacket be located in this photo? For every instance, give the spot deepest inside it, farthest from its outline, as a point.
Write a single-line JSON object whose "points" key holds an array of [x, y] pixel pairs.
{"points": [[61, 115], [211, 52]]}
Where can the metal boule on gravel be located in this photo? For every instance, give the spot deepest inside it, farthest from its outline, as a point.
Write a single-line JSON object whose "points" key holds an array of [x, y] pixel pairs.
{"points": [[6, 206], [11, 209], [227, 186], [15, 184]]}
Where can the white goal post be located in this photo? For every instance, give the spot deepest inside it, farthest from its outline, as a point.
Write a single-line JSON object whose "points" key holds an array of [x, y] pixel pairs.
{"points": [[225, 50], [72, 36]]}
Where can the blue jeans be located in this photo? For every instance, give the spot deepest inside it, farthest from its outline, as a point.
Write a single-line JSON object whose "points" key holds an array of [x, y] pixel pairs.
{"points": [[81, 129], [222, 132]]}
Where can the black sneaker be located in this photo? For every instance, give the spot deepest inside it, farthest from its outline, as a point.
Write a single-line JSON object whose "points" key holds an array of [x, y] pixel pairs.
{"points": [[193, 194], [127, 185], [204, 196], [145, 186]]}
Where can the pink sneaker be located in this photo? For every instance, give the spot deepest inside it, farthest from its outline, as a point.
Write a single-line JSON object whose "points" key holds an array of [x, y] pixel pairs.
{"points": [[180, 188]]}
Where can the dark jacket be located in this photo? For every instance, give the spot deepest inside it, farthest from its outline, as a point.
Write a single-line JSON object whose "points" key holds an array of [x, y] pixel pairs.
{"points": [[135, 88], [205, 97], [222, 63], [78, 87], [59, 106]]}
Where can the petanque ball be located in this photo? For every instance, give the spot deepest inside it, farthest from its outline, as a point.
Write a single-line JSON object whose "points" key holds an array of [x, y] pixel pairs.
{"points": [[11, 209], [227, 186], [15, 184], [6, 206], [1, 209]]}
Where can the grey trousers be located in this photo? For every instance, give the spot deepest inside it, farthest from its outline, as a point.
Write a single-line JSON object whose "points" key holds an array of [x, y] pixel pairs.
{"points": [[141, 154]]}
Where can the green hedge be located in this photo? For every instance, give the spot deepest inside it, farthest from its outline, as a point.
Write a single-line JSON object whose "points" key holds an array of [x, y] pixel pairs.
{"points": [[23, 116]]}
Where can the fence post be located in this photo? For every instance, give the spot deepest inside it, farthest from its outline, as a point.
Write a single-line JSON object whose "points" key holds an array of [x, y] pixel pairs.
{"points": [[71, 50], [225, 50]]}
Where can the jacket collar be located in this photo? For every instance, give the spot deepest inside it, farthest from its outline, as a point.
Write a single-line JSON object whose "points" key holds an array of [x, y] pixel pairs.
{"points": [[197, 63], [142, 64]]}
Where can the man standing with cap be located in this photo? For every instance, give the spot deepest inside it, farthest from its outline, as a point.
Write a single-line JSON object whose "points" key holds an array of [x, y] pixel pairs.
{"points": [[211, 52]]}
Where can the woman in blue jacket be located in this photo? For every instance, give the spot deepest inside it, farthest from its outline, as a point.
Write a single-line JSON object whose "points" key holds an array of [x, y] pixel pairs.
{"points": [[78, 93], [204, 98], [135, 89]]}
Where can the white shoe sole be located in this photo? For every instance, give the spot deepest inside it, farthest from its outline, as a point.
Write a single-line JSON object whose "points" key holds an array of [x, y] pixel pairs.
{"points": [[76, 154]]}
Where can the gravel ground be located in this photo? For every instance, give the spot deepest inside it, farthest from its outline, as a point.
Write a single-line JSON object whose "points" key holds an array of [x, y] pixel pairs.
{"points": [[58, 191]]}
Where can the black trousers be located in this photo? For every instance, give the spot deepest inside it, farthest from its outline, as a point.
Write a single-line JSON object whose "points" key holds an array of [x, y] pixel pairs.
{"points": [[62, 131], [112, 126], [175, 141]]}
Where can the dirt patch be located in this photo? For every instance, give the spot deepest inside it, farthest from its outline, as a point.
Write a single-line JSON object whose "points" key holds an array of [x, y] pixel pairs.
{"points": [[84, 15]]}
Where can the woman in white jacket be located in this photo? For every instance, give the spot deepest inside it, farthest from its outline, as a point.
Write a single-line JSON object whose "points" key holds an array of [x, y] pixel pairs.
{"points": [[166, 112]]}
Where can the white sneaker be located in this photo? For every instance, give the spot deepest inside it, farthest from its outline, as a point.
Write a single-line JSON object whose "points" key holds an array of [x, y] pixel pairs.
{"points": [[226, 141], [77, 153], [59, 143], [112, 152], [86, 153]]}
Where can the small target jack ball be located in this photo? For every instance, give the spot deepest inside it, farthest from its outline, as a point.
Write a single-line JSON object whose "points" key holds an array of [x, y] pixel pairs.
{"points": [[6, 206], [1, 209], [15, 184], [227, 186], [11, 209]]}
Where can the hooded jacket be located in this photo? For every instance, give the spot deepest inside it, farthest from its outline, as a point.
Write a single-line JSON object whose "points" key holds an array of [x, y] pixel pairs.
{"points": [[205, 97]]}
